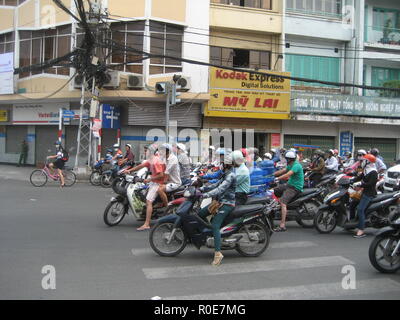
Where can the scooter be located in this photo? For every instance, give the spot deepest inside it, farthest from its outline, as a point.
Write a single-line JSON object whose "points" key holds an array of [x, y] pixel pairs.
{"points": [[384, 251], [335, 209], [131, 197], [247, 229]]}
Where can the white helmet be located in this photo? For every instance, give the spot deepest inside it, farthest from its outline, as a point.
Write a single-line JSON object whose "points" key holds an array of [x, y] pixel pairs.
{"points": [[128, 145], [116, 146], [237, 157], [273, 150], [181, 146], [211, 147], [268, 156], [362, 152], [290, 155], [228, 159]]}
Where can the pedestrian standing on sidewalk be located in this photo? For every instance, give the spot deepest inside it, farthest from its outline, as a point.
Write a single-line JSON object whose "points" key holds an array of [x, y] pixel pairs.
{"points": [[24, 153]]}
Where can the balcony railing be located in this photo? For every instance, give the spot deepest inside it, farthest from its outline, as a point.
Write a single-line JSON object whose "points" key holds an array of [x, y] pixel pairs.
{"points": [[315, 13], [382, 35]]}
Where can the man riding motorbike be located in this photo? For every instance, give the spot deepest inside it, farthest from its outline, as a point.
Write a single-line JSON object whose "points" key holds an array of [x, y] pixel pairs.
{"points": [[242, 176], [317, 167], [331, 164], [223, 193], [286, 192]]}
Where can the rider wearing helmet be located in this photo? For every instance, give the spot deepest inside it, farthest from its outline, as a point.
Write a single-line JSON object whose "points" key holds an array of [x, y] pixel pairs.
{"points": [[184, 163], [331, 164], [368, 180], [317, 167], [348, 160], [380, 165], [223, 194], [117, 151], [275, 155], [267, 156], [213, 177], [286, 192], [360, 153], [129, 156], [242, 177]]}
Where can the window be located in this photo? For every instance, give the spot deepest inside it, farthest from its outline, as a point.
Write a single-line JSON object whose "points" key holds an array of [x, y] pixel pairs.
{"points": [[313, 67], [386, 20], [43, 45], [13, 3], [14, 137], [7, 42], [130, 34], [331, 8], [382, 75], [263, 4], [165, 40], [240, 58]]}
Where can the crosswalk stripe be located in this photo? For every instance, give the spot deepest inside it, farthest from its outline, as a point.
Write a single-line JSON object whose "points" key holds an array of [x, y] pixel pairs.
{"points": [[281, 245], [306, 292], [237, 268]]}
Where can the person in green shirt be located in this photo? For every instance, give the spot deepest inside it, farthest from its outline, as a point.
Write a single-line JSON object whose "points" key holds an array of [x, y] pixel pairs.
{"points": [[286, 192], [24, 153]]}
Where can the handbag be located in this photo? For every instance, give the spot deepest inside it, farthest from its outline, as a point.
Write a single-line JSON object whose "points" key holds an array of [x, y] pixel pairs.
{"points": [[213, 207]]}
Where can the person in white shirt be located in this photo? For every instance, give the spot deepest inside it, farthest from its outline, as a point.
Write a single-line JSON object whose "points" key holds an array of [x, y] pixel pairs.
{"points": [[172, 173], [380, 165], [331, 164]]}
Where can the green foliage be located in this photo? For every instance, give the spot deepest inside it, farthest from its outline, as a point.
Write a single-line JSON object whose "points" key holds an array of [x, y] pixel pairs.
{"points": [[393, 84]]}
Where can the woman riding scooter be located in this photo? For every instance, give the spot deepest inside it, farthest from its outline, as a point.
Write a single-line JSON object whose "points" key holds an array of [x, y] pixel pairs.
{"points": [[223, 193]]}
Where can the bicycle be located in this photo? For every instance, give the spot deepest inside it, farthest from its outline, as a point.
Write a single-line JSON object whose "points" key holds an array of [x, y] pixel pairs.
{"points": [[39, 177]]}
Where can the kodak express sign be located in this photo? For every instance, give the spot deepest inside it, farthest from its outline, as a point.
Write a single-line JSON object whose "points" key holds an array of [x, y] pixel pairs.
{"points": [[248, 95]]}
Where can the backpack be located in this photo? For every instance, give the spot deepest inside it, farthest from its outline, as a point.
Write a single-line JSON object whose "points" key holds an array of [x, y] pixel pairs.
{"points": [[65, 156]]}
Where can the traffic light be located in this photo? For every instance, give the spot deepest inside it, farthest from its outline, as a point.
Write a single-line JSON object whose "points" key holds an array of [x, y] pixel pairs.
{"points": [[175, 94], [161, 88]]}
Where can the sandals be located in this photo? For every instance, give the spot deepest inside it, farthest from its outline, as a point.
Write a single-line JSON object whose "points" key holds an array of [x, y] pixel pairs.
{"points": [[280, 229], [217, 259], [359, 236]]}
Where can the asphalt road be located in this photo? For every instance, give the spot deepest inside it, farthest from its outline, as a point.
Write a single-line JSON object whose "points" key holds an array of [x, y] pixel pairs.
{"points": [[65, 229]]}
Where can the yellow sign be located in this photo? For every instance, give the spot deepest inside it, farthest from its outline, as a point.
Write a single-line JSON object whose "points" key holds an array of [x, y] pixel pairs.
{"points": [[248, 95], [3, 116]]}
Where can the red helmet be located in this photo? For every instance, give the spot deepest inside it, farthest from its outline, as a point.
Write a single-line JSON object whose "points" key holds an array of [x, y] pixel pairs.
{"points": [[244, 151], [371, 158], [336, 152]]}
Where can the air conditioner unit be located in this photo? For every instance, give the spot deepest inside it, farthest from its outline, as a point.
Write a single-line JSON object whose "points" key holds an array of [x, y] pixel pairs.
{"points": [[135, 81], [78, 80], [184, 83], [112, 79]]}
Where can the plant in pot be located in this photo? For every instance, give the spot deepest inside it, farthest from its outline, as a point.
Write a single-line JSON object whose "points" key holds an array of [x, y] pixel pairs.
{"points": [[392, 84]]}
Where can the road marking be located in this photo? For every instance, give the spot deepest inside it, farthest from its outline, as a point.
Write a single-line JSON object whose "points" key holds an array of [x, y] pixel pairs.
{"points": [[282, 245], [306, 292], [237, 268]]}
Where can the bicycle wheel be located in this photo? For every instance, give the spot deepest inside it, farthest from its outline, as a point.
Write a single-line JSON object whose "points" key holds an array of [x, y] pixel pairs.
{"points": [[95, 178], [69, 178], [38, 178]]}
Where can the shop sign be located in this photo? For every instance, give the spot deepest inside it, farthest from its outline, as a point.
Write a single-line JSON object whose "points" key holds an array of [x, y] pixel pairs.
{"points": [[346, 142], [7, 73], [275, 140], [345, 105], [248, 95], [3, 115], [37, 113]]}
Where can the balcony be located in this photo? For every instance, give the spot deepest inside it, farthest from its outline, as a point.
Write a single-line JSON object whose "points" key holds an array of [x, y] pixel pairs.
{"points": [[382, 37], [245, 19]]}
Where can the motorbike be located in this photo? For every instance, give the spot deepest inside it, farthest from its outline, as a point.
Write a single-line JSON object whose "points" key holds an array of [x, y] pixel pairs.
{"points": [[97, 171], [247, 229], [384, 250], [131, 197], [335, 209]]}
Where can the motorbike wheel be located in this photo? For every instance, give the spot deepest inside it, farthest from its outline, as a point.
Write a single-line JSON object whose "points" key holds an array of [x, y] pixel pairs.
{"points": [[253, 248], [114, 213], [95, 177], [307, 220], [106, 180], [380, 252], [158, 240], [325, 221]]}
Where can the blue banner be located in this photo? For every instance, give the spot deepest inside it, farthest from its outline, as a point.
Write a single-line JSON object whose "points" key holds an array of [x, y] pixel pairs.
{"points": [[111, 117], [346, 142]]}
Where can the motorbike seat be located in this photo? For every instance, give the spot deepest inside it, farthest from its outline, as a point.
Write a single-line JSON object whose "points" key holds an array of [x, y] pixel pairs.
{"points": [[305, 192], [241, 210], [383, 196], [257, 200]]}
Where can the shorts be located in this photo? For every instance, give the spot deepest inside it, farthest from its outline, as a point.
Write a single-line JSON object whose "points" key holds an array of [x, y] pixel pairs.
{"points": [[59, 164], [169, 187], [286, 193], [153, 191]]}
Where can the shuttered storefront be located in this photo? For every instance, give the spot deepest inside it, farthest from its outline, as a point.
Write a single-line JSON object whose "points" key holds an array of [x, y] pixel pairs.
{"points": [[153, 115], [324, 143], [386, 147], [46, 136]]}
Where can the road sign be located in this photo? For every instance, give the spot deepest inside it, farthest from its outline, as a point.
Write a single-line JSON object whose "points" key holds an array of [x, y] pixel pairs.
{"points": [[111, 117]]}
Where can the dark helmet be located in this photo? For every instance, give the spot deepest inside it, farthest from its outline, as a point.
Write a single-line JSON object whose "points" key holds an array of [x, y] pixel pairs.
{"points": [[374, 152], [319, 152]]}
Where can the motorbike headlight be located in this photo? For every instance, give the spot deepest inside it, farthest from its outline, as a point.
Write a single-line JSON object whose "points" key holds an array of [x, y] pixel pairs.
{"points": [[397, 221]]}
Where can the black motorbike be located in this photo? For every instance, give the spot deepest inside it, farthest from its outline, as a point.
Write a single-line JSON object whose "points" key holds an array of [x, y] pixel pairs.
{"points": [[384, 251], [301, 209], [247, 229], [335, 209]]}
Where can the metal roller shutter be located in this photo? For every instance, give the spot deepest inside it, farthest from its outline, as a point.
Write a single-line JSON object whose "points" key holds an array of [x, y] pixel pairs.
{"points": [[386, 147], [325, 143], [153, 114], [46, 136]]}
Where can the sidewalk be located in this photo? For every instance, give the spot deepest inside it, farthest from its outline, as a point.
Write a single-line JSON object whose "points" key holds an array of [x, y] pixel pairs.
{"points": [[12, 172]]}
